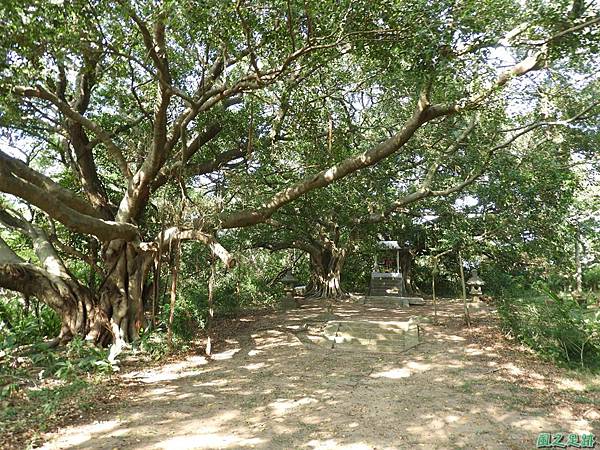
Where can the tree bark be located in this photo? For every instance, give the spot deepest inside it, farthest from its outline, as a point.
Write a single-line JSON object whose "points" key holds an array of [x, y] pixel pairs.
{"points": [[464, 289], [211, 312], [406, 263], [433, 275], [79, 311], [578, 270], [326, 268], [174, 277]]}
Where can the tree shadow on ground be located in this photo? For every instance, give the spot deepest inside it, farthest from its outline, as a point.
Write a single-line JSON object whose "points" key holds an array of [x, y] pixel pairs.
{"points": [[461, 388]]}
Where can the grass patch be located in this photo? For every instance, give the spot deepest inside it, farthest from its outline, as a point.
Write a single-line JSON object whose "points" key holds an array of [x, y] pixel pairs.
{"points": [[28, 413], [516, 402], [468, 387], [557, 328], [592, 388], [586, 400]]}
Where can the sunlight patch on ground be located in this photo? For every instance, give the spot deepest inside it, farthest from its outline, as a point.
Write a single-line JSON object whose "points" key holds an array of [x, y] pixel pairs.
{"points": [[213, 383], [254, 366], [283, 406], [410, 368], [183, 396], [76, 436], [228, 354], [569, 384], [535, 424], [536, 376], [125, 431], [592, 414], [313, 420], [332, 444], [197, 441], [434, 427], [513, 370], [474, 351], [564, 413], [537, 384], [159, 391], [205, 395], [451, 418], [478, 351], [208, 425], [583, 426], [275, 338], [167, 372], [452, 337], [531, 424], [417, 366], [393, 373]]}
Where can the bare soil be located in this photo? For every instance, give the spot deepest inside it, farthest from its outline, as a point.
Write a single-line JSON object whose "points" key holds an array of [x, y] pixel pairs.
{"points": [[270, 387]]}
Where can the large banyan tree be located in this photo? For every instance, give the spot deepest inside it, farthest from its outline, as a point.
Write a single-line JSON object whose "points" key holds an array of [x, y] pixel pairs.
{"points": [[112, 109]]}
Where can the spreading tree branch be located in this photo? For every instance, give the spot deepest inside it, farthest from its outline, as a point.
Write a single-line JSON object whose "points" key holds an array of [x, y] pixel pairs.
{"points": [[42, 93], [105, 230]]}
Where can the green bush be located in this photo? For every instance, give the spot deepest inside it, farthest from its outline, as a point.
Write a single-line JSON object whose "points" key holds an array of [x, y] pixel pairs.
{"points": [[18, 327], [154, 342], [556, 327], [591, 277]]}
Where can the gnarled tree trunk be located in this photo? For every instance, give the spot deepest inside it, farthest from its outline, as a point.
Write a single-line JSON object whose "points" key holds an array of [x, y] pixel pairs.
{"points": [[113, 313], [79, 311], [122, 294], [326, 268], [406, 264]]}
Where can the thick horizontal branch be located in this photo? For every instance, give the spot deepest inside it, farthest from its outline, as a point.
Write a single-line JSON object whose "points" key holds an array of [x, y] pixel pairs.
{"points": [[175, 234], [31, 280], [534, 61], [217, 163], [425, 191], [53, 189], [72, 219], [422, 114], [22, 277]]}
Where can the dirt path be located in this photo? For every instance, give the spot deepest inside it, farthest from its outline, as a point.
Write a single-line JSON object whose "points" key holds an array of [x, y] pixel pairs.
{"points": [[270, 390]]}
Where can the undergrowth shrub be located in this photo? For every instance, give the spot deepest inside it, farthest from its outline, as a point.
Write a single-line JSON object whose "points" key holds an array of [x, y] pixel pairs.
{"points": [[154, 342], [22, 367], [557, 327], [21, 327]]}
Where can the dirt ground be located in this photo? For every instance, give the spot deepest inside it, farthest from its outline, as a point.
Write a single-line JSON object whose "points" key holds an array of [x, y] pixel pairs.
{"points": [[269, 387]]}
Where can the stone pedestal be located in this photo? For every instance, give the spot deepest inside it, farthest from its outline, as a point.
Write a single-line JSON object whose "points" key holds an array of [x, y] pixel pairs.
{"points": [[288, 302], [476, 306]]}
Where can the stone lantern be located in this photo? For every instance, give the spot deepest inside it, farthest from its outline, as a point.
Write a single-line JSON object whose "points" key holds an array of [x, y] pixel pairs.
{"points": [[475, 283], [289, 281]]}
